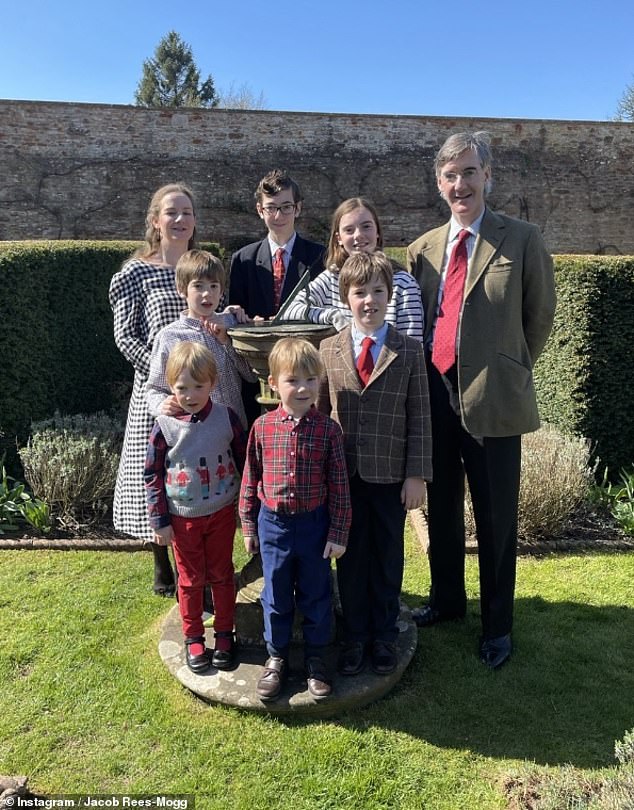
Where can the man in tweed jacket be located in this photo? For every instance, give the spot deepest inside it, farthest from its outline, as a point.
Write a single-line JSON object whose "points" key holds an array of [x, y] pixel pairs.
{"points": [[387, 437]]}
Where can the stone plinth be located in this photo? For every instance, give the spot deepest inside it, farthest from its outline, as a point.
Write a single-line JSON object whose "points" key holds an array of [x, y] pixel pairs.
{"points": [[237, 687]]}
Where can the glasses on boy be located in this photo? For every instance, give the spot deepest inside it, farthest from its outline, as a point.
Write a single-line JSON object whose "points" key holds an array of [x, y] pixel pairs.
{"points": [[285, 208]]}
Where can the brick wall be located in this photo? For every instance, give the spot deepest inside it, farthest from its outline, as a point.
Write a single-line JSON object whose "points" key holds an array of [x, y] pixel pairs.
{"points": [[87, 171]]}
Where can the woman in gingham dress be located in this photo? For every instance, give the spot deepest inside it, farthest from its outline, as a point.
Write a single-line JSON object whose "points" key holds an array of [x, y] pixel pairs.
{"points": [[355, 227], [143, 298]]}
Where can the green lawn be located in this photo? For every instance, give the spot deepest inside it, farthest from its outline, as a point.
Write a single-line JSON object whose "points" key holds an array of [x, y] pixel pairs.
{"points": [[87, 705]]}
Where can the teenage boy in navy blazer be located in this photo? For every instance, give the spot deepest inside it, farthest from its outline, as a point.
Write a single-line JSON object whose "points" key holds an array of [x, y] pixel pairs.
{"points": [[252, 283]]}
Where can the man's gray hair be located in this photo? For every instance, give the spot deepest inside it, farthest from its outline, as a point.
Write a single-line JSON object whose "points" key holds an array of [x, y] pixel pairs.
{"points": [[460, 142]]}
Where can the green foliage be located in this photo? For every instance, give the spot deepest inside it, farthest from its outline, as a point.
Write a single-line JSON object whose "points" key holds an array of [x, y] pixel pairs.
{"points": [[617, 499], [171, 78], [56, 333], [18, 506], [71, 462], [583, 375]]}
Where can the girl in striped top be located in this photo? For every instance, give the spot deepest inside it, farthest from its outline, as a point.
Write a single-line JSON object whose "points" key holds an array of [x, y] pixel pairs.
{"points": [[355, 227]]}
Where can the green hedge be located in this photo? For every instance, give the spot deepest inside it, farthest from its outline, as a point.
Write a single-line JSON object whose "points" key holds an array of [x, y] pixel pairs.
{"points": [[58, 353], [586, 372], [584, 377], [57, 348]]}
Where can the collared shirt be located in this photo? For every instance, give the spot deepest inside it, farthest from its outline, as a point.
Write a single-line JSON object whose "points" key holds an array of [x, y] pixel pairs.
{"points": [[231, 366], [154, 472], [287, 248], [294, 467], [454, 231], [378, 339]]}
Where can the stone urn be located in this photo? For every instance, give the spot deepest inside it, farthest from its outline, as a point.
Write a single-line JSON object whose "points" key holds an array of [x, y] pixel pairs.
{"points": [[254, 341]]}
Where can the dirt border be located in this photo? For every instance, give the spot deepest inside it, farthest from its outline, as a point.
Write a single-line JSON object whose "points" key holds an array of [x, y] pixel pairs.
{"points": [[591, 535]]}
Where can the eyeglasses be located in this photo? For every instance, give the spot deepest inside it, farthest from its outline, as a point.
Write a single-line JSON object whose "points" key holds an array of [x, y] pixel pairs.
{"points": [[285, 208]]}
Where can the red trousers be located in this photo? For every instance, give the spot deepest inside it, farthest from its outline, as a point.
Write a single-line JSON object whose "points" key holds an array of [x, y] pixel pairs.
{"points": [[203, 548]]}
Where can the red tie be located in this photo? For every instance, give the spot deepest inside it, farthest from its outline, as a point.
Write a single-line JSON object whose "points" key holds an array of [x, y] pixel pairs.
{"points": [[278, 277], [365, 363], [443, 354]]}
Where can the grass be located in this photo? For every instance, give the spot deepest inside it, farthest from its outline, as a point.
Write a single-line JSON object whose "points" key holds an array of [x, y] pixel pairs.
{"points": [[87, 705]]}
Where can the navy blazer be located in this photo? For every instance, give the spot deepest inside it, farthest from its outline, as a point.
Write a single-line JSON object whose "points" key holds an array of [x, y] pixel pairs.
{"points": [[251, 274]]}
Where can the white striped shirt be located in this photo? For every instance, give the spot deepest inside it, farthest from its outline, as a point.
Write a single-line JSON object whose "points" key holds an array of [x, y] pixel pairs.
{"points": [[404, 310]]}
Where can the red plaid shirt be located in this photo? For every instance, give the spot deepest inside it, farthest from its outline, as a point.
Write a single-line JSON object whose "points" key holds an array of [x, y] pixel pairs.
{"points": [[294, 467]]}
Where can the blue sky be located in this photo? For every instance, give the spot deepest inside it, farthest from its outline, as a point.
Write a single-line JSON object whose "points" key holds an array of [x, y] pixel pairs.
{"points": [[531, 59]]}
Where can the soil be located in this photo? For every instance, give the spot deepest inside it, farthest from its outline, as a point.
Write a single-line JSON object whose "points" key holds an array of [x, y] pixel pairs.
{"points": [[585, 531]]}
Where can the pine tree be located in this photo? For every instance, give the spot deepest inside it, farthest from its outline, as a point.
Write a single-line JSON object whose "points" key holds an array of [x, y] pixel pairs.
{"points": [[171, 78]]}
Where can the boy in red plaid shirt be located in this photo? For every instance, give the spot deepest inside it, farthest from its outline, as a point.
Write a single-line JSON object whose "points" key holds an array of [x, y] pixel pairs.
{"points": [[295, 510]]}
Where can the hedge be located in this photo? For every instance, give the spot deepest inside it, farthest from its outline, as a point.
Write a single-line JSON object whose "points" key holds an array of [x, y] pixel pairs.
{"points": [[57, 348], [58, 352], [584, 376]]}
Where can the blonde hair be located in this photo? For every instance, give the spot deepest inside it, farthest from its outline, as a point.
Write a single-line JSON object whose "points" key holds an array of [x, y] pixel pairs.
{"points": [[198, 264], [193, 358], [152, 233], [337, 254], [295, 355], [361, 268]]}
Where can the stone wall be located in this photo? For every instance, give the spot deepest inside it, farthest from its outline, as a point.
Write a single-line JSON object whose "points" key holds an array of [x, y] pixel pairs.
{"points": [[86, 171]]}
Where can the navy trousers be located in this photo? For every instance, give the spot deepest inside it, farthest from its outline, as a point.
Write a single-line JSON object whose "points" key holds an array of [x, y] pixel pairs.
{"points": [[295, 575], [370, 573]]}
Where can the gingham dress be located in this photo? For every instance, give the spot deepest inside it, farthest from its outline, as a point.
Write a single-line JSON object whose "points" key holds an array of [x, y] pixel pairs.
{"points": [[143, 298]]}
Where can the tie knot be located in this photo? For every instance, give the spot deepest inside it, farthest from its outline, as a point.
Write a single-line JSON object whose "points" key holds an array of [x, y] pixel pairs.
{"points": [[367, 343], [279, 253], [463, 236]]}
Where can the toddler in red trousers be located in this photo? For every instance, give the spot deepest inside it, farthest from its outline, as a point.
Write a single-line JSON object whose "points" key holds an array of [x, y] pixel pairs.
{"points": [[191, 504]]}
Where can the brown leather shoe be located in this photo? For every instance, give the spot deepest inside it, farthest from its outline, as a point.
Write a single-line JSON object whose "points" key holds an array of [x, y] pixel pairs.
{"points": [[317, 679], [272, 679]]}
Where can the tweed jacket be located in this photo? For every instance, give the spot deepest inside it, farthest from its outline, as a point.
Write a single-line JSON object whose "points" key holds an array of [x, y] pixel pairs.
{"points": [[386, 425], [251, 274], [507, 315]]}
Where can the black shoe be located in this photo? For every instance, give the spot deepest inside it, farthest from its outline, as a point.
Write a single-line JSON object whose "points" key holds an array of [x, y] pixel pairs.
{"points": [[317, 678], [351, 658], [272, 679], [384, 658], [495, 651], [223, 658], [164, 582], [197, 663], [426, 616]]}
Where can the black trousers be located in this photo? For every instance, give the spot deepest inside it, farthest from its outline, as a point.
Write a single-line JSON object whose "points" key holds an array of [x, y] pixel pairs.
{"points": [[492, 468], [370, 573]]}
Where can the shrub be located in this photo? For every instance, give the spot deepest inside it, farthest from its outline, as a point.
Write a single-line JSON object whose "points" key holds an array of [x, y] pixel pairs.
{"points": [[18, 506], [617, 499], [71, 463], [555, 480]]}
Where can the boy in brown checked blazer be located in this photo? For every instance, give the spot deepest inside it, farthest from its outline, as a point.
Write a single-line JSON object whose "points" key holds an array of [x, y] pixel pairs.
{"points": [[376, 388]]}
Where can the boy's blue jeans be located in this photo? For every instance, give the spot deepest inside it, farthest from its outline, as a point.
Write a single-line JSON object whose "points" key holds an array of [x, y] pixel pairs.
{"points": [[295, 575]]}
